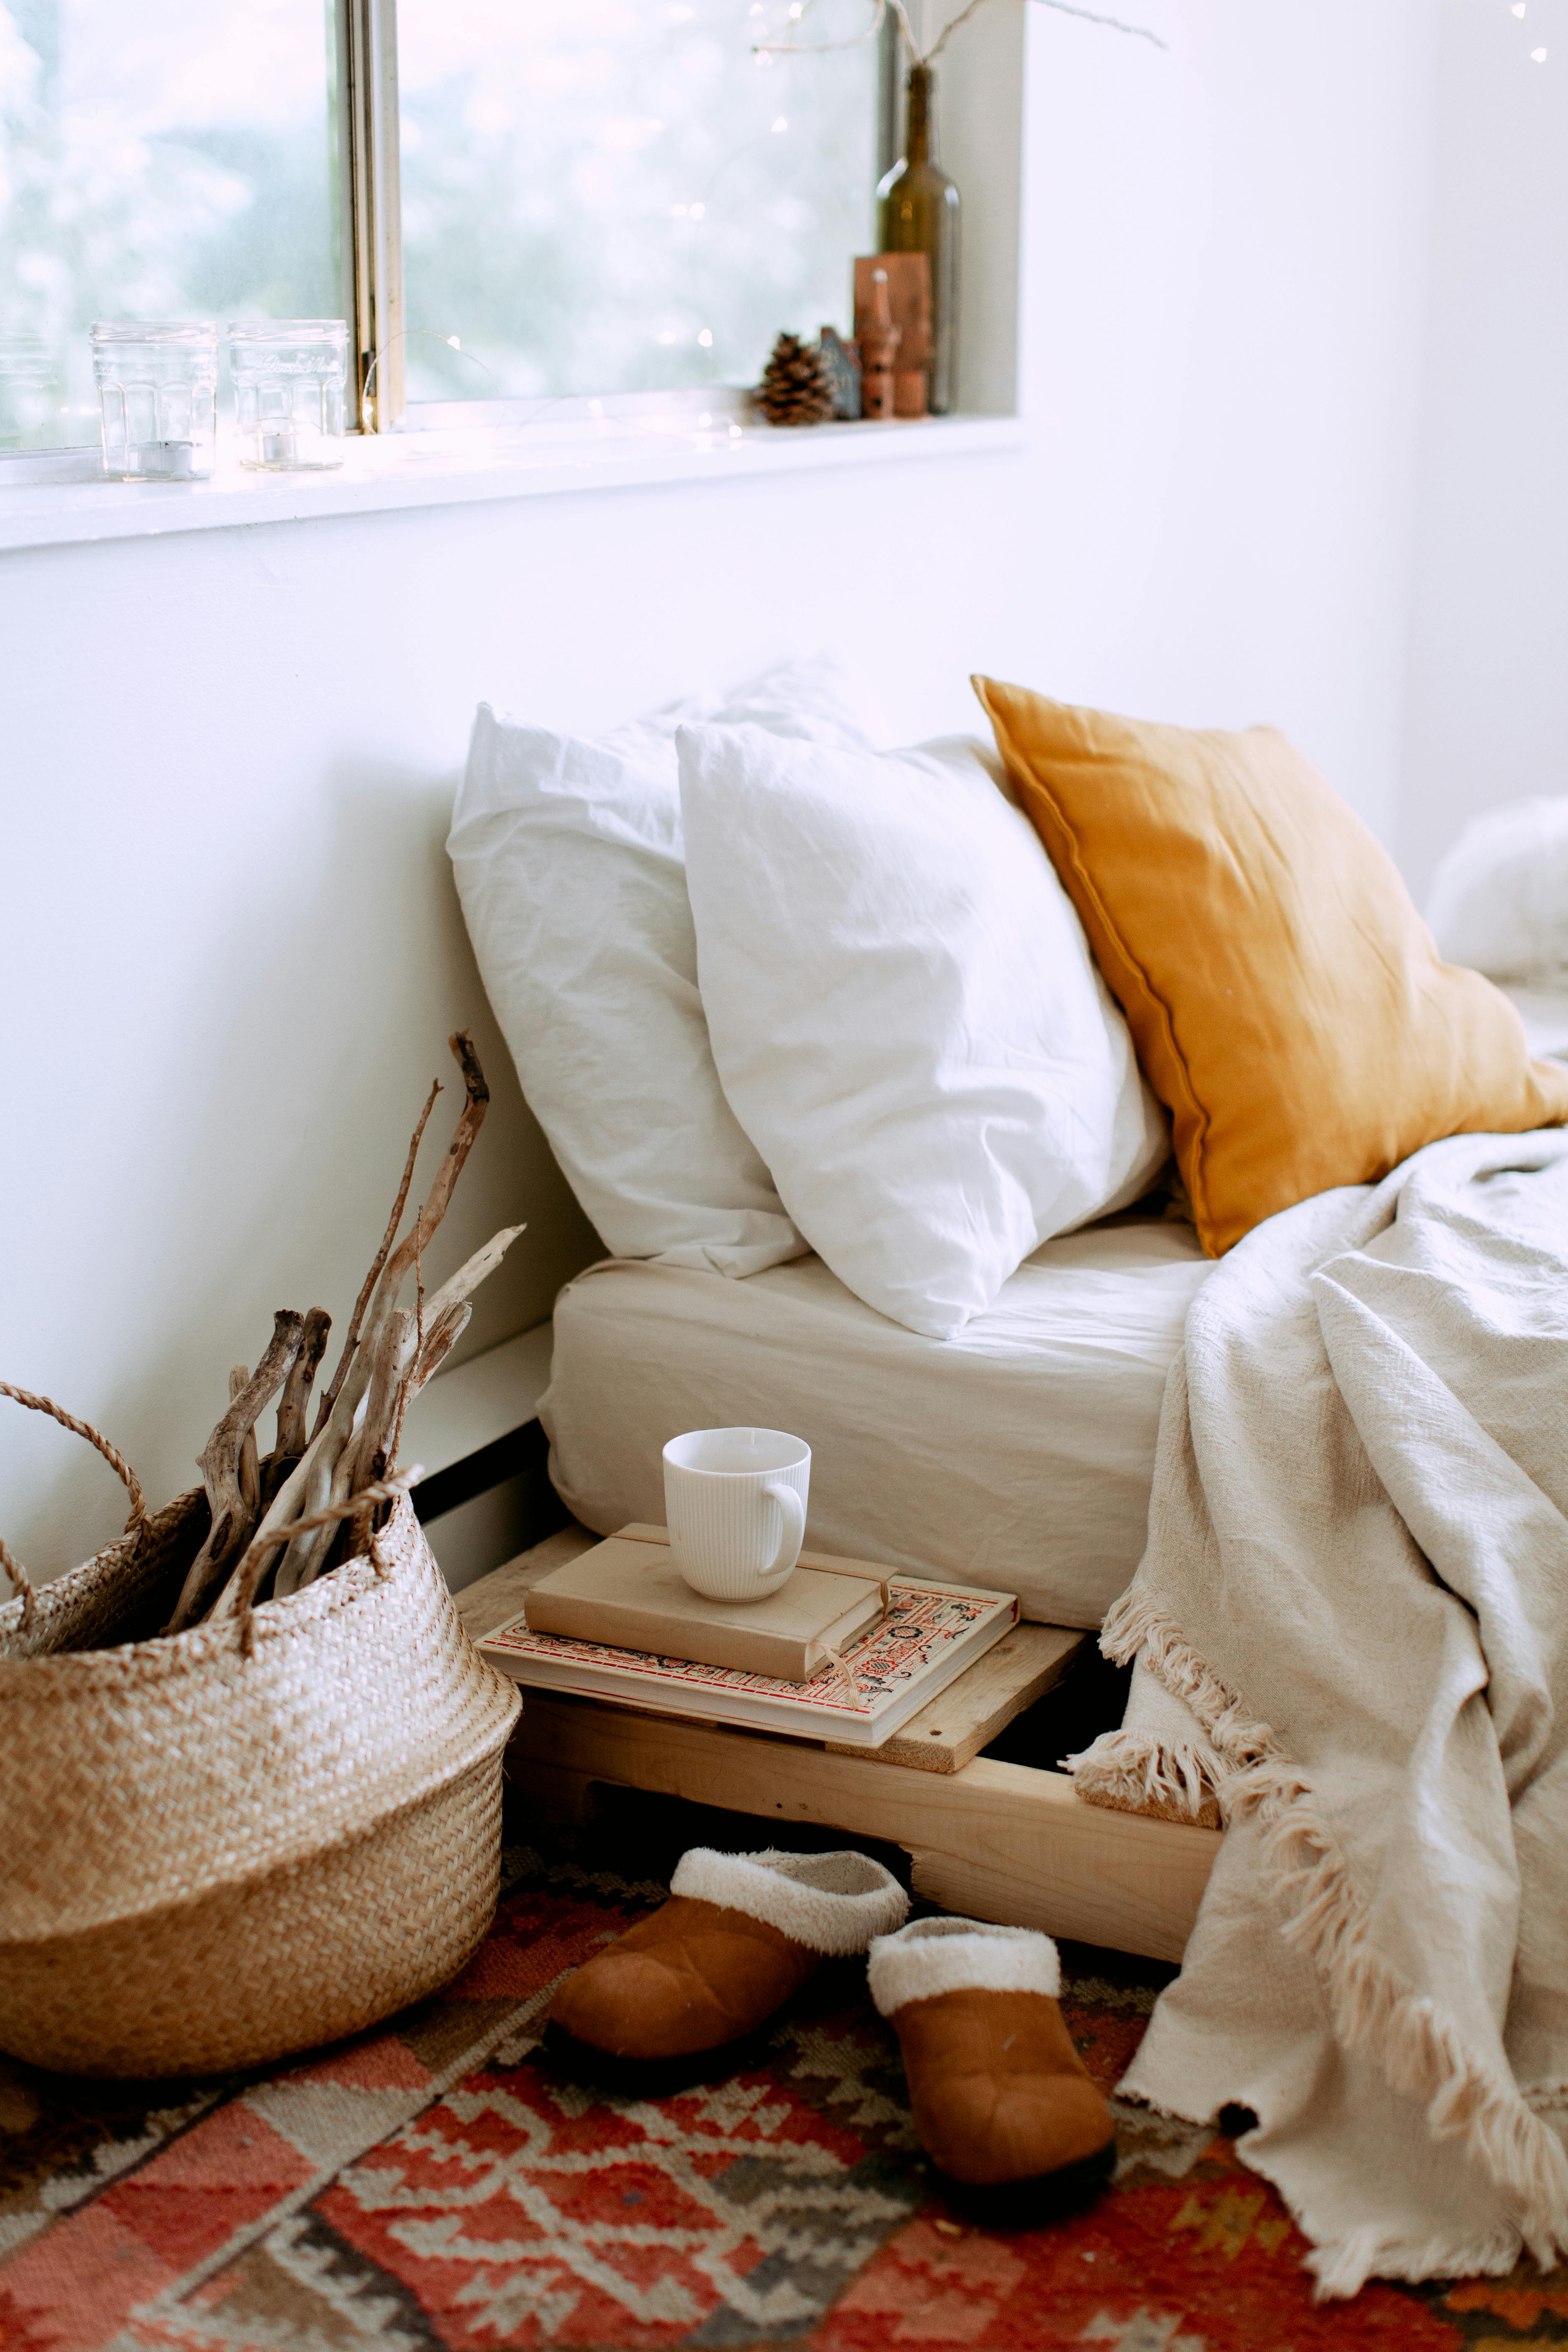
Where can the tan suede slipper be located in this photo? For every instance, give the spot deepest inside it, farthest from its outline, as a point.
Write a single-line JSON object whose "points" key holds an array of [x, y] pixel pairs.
{"points": [[1002, 2103], [676, 1998]]}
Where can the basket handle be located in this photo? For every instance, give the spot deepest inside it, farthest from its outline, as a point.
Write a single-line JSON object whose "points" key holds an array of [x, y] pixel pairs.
{"points": [[12, 1567]]}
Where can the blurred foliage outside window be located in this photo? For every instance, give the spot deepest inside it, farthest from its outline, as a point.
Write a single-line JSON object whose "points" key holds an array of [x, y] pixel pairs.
{"points": [[159, 159], [598, 195], [615, 195]]}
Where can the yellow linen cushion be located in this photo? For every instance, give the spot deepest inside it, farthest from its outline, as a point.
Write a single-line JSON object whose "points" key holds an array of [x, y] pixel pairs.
{"points": [[1287, 1000]]}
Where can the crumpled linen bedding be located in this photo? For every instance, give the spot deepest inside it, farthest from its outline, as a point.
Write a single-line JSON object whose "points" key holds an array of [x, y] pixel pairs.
{"points": [[1350, 1627]]}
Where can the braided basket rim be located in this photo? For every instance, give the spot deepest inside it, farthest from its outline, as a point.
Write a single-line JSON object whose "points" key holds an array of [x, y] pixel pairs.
{"points": [[65, 1674]]}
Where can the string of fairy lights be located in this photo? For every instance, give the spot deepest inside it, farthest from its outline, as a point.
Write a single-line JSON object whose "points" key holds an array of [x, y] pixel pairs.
{"points": [[1520, 9], [792, 39]]}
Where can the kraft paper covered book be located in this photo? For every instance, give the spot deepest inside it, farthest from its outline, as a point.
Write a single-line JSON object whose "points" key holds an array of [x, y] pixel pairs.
{"points": [[629, 1595], [930, 1635]]}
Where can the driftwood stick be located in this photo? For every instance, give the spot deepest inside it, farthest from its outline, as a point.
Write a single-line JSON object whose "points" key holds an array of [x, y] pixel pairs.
{"points": [[220, 1466], [439, 1342], [365, 1460], [380, 1403], [249, 1458], [470, 1120], [469, 1275], [314, 1484], [297, 1565], [321, 1464], [294, 1403], [329, 1393], [278, 1516], [293, 1406]]}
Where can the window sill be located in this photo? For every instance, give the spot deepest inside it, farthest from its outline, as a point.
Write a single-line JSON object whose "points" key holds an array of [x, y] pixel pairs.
{"points": [[447, 467]]}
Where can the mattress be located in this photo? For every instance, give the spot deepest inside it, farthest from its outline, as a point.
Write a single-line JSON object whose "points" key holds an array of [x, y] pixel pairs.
{"points": [[1018, 1456]]}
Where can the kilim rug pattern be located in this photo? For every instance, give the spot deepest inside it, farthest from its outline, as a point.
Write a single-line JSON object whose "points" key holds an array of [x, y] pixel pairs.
{"points": [[429, 2188]]}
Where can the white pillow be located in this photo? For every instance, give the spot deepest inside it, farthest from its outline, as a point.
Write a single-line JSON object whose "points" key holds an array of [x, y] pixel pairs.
{"points": [[905, 1013], [567, 854], [1499, 897]]}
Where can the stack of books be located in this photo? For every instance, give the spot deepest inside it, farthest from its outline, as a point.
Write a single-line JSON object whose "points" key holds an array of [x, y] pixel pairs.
{"points": [[844, 1651]]}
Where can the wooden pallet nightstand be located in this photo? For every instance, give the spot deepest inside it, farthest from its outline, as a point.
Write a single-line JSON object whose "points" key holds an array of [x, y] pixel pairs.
{"points": [[992, 1840]]}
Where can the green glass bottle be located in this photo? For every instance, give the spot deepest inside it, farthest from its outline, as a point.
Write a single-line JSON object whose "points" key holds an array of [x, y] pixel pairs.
{"points": [[918, 213]]}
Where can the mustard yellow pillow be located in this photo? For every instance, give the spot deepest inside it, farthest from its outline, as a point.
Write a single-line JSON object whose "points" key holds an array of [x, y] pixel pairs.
{"points": [[1286, 1001]]}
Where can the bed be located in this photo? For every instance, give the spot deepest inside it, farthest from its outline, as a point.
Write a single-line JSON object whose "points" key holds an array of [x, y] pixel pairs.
{"points": [[1016, 1456]]}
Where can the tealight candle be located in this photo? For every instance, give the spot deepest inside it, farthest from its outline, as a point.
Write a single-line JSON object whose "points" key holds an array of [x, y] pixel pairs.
{"points": [[157, 390], [289, 380]]}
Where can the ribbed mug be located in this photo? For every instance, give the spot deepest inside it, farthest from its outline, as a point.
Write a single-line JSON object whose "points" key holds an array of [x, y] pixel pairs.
{"points": [[735, 1503]]}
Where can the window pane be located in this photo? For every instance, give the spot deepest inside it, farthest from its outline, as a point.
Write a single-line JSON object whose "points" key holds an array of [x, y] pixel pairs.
{"points": [[614, 195], [159, 159]]}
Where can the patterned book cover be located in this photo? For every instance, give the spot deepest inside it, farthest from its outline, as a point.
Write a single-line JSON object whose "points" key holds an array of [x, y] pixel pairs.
{"points": [[928, 1629]]}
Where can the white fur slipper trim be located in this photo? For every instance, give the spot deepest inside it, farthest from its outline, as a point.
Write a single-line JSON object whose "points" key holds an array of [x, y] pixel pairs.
{"points": [[831, 1903], [936, 1956]]}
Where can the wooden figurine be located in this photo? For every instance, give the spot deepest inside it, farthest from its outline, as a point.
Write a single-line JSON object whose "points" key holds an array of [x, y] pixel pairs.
{"points": [[878, 338], [908, 278]]}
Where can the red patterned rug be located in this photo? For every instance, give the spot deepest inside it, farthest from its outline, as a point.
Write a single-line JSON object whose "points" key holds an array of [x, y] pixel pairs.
{"points": [[430, 2186]]}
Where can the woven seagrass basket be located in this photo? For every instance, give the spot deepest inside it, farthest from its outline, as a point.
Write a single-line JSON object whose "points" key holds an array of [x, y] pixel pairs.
{"points": [[212, 1859]]}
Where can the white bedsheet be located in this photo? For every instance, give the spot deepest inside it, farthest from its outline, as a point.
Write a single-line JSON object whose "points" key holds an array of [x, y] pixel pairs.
{"points": [[1544, 1012], [1016, 1456]]}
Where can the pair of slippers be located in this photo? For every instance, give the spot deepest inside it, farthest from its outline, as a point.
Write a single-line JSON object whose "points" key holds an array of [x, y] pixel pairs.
{"points": [[1001, 2101]]}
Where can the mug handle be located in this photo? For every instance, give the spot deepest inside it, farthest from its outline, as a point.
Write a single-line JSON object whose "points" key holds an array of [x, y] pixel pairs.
{"points": [[792, 1515]]}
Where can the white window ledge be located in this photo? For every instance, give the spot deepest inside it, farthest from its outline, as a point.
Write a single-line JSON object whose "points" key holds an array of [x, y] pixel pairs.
{"points": [[459, 467]]}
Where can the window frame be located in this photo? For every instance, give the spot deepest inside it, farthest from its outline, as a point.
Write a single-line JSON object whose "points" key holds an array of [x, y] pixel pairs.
{"points": [[369, 135], [366, 130]]}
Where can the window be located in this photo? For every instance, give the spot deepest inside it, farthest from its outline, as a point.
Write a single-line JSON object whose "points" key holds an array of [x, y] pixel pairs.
{"points": [[158, 158], [615, 195], [507, 198]]}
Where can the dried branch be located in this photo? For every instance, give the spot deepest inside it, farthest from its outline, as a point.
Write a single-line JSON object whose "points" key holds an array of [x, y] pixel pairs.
{"points": [[329, 1393], [318, 1471], [365, 1460], [220, 1467], [899, 13], [387, 1358], [249, 1458], [439, 1342], [1064, 7], [472, 1118], [470, 1273], [294, 1405], [281, 1513]]}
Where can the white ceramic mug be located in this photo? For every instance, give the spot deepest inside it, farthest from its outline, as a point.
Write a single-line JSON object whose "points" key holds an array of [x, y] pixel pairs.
{"points": [[734, 1500]]}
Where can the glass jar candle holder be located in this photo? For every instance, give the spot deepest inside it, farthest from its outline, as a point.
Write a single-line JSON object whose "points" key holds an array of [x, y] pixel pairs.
{"points": [[157, 391], [291, 376]]}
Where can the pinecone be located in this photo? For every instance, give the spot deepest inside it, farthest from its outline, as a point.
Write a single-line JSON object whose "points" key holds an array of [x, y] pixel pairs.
{"points": [[795, 389]]}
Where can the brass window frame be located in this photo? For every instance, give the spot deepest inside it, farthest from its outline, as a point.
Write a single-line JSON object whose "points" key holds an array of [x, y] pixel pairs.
{"points": [[370, 197]]}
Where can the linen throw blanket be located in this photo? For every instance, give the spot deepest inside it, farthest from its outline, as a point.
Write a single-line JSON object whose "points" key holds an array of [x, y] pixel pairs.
{"points": [[1350, 1627]]}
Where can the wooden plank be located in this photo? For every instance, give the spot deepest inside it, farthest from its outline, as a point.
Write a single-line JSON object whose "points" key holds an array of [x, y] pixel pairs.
{"points": [[490, 1599], [968, 1715], [994, 1841]]}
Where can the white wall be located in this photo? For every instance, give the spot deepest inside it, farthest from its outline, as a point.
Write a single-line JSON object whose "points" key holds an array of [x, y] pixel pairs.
{"points": [[1487, 717], [232, 949]]}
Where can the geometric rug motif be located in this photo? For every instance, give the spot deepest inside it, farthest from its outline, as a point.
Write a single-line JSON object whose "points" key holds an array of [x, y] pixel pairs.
{"points": [[430, 2186]]}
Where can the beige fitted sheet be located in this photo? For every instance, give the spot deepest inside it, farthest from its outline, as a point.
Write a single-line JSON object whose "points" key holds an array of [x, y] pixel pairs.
{"points": [[1016, 1456]]}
